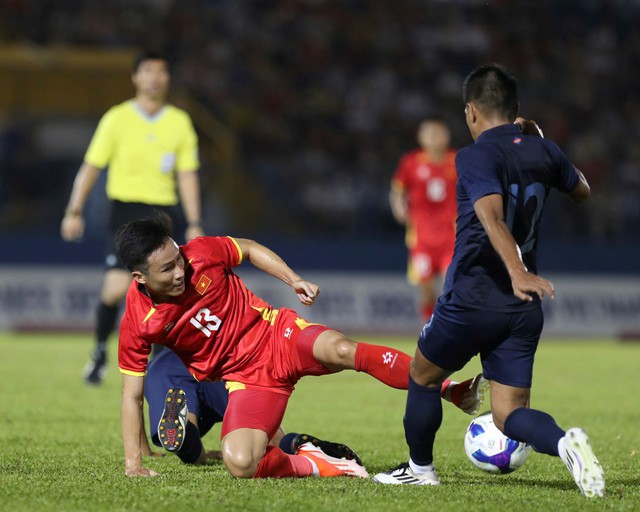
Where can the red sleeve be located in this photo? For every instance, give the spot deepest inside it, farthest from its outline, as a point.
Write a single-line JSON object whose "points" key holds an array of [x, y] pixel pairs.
{"points": [[220, 249], [133, 350]]}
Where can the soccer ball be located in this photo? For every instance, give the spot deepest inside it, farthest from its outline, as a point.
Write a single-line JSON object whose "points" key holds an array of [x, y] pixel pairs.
{"points": [[492, 451]]}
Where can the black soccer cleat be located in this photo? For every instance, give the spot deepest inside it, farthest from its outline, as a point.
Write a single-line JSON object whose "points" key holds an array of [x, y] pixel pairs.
{"points": [[173, 423], [336, 450], [96, 368]]}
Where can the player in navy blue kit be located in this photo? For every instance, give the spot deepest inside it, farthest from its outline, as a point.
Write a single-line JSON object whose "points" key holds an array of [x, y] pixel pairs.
{"points": [[174, 395], [491, 304]]}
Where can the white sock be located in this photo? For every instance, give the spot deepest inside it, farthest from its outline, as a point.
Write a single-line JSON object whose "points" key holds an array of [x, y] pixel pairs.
{"points": [[420, 470], [561, 447]]}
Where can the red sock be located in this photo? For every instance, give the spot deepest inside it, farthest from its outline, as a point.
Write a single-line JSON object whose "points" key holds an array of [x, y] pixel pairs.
{"points": [[444, 387], [458, 390], [385, 364], [277, 464]]}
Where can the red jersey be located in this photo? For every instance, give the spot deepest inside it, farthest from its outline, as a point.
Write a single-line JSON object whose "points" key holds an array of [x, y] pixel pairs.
{"points": [[431, 194], [218, 328]]}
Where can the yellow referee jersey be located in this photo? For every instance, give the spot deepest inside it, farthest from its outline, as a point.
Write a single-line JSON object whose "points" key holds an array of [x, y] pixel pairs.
{"points": [[143, 152]]}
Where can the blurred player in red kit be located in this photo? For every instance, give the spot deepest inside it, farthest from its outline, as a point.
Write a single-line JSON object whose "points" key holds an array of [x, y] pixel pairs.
{"points": [[423, 197]]}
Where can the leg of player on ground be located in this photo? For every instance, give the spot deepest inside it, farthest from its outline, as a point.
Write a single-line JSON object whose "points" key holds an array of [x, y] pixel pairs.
{"points": [[391, 366], [337, 352], [245, 449], [242, 451]]}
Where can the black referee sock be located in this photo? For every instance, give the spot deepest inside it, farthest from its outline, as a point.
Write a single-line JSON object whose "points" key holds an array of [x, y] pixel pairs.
{"points": [[191, 448], [107, 317]]}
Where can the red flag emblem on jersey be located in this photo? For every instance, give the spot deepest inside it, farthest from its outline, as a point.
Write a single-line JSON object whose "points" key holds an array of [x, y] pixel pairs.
{"points": [[203, 284]]}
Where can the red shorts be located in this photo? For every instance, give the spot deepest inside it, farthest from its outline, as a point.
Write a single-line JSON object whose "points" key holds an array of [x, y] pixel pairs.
{"points": [[428, 261], [260, 409], [260, 400]]}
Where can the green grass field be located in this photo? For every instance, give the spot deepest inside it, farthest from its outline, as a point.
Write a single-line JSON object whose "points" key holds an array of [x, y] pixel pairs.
{"points": [[61, 446]]}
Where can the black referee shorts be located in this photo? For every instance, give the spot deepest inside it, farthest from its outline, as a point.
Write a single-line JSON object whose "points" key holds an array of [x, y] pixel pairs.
{"points": [[121, 213]]}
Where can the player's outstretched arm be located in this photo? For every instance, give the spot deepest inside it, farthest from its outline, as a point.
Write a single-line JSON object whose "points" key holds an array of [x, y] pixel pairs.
{"points": [[489, 210], [132, 393], [268, 261]]}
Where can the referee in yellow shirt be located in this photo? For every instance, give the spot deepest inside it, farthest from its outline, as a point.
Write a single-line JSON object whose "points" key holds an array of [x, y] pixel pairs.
{"points": [[151, 151]]}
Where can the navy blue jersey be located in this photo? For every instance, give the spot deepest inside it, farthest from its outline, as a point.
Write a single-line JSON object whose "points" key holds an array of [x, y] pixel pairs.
{"points": [[522, 169]]}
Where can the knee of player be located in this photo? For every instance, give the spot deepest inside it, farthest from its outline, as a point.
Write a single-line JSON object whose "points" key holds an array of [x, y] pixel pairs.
{"points": [[345, 351], [240, 463], [423, 376]]}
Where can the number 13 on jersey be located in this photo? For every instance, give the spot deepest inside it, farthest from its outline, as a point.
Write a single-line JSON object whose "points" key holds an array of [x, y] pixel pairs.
{"points": [[204, 315]]}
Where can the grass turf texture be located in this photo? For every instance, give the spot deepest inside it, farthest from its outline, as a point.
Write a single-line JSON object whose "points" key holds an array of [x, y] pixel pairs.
{"points": [[62, 450]]}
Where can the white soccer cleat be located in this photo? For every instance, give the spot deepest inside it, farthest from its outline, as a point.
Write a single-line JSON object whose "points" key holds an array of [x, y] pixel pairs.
{"points": [[403, 474], [328, 466], [582, 463]]}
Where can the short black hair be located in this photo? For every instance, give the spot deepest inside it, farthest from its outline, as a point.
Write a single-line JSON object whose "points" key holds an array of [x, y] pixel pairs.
{"points": [[136, 240], [148, 54], [494, 89]]}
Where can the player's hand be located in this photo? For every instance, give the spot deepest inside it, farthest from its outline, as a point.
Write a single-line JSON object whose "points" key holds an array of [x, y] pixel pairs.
{"points": [[72, 227], [525, 284], [529, 127], [140, 471], [193, 232], [307, 292]]}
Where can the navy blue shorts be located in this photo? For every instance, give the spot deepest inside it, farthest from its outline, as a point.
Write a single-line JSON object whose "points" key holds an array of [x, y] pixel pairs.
{"points": [[506, 342], [207, 400]]}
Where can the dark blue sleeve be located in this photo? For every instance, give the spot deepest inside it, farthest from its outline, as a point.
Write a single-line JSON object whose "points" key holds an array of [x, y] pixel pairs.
{"points": [[565, 177], [477, 168]]}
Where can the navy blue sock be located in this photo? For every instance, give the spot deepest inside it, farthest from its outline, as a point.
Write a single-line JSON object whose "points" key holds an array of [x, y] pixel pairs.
{"points": [[537, 428], [286, 443], [191, 448], [422, 420]]}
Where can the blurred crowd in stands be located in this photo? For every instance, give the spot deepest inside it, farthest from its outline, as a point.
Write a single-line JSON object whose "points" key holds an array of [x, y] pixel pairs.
{"points": [[324, 95]]}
